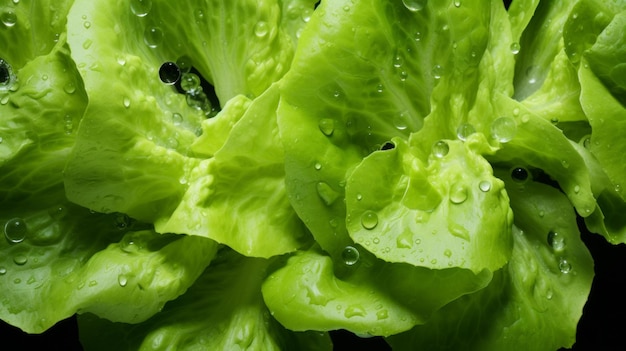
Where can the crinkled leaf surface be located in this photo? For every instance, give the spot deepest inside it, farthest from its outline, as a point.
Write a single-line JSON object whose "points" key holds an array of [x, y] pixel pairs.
{"points": [[223, 310], [368, 298], [533, 303]]}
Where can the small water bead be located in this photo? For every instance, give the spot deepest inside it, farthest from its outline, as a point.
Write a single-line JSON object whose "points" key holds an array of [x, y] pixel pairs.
{"points": [[556, 241], [327, 126], [140, 8], [3, 270], [503, 129], [20, 259], [169, 73], [458, 194], [354, 311], [15, 230], [398, 61], [87, 44], [69, 88], [564, 266], [306, 15], [464, 130], [350, 255], [317, 166], [122, 280], [441, 149], [126, 102], [184, 63], [8, 18], [261, 29], [369, 220], [177, 119], [414, 5], [515, 48], [457, 3], [380, 88], [197, 99], [403, 75], [484, 186], [586, 141], [190, 82], [437, 71], [382, 314], [153, 37], [519, 174], [87, 24]]}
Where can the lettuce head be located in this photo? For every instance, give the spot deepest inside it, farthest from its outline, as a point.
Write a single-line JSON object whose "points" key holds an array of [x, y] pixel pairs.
{"points": [[257, 175]]}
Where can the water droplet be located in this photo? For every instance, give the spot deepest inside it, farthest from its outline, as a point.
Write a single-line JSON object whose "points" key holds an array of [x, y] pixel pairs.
{"points": [[400, 122], [586, 141], [447, 253], [122, 280], [3, 270], [403, 76], [93, 283], [403, 241], [8, 18], [15, 230], [317, 166], [126, 102], [458, 193], [354, 311], [140, 8], [87, 24], [350, 255], [177, 119], [484, 185], [398, 61], [457, 3], [169, 73], [414, 5], [326, 193], [327, 126], [20, 259], [198, 14], [440, 149], [464, 130], [260, 29], [190, 82], [369, 220], [418, 36], [153, 37], [519, 174], [87, 44], [382, 314], [359, 197], [437, 71], [121, 221], [306, 15], [503, 129], [564, 266], [380, 88], [17, 280], [549, 294], [576, 189], [556, 241], [121, 60], [69, 88], [515, 48]]}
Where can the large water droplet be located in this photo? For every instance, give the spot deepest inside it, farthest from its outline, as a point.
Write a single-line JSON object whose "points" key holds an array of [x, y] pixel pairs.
{"points": [[140, 8], [519, 174], [414, 5], [440, 149], [8, 18], [327, 126], [15, 230], [350, 255], [464, 130], [20, 259], [153, 36], [6, 73], [69, 88], [169, 73], [556, 241], [369, 220], [503, 129]]}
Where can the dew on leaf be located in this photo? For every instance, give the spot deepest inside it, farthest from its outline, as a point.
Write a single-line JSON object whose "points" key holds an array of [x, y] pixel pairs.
{"points": [[440, 149], [564, 266], [153, 37], [556, 241], [122, 280], [414, 5], [327, 126], [15, 230], [519, 174], [484, 185], [8, 18], [169, 73], [369, 219], [503, 129], [515, 48], [464, 130], [350, 255], [261, 28], [20, 259], [140, 8]]}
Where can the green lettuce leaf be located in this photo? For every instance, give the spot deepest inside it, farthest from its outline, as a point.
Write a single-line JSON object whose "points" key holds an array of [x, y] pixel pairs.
{"points": [[223, 310], [533, 303]]}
